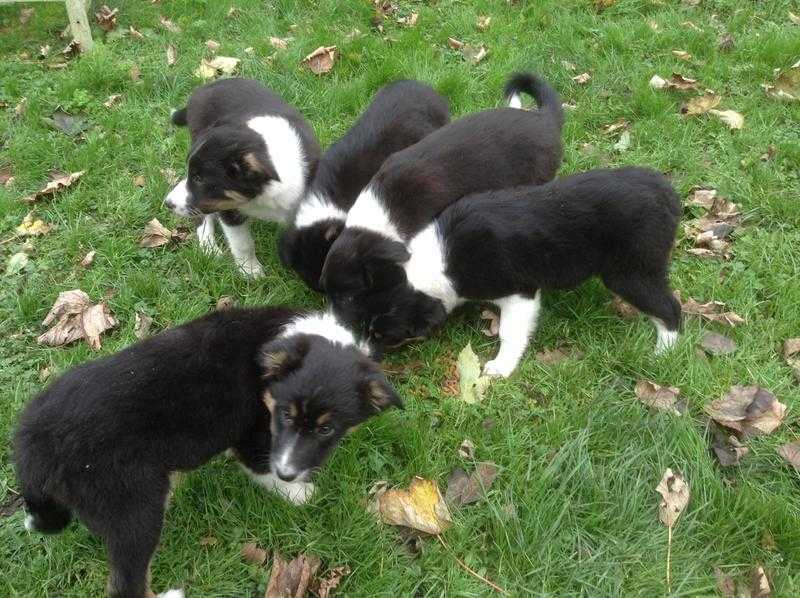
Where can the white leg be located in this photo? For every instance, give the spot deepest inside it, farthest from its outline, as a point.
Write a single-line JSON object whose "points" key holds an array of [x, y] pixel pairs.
{"points": [[205, 235], [518, 317], [243, 249], [171, 594], [666, 338], [295, 492]]}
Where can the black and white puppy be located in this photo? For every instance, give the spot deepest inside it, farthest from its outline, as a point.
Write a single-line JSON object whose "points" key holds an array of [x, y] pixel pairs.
{"points": [[252, 155], [488, 150], [401, 114], [277, 387], [507, 246]]}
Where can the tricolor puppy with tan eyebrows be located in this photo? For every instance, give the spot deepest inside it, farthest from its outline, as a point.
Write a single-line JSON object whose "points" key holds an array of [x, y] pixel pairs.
{"points": [[275, 387]]}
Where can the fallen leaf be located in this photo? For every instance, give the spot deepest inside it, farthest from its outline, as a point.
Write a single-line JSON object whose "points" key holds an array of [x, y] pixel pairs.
{"points": [[172, 55], [674, 493], [32, 228], [75, 317], [682, 54], [170, 176], [6, 175], [135, 73], [279, 43], [252, 554], [168, 25], [134, 33], [139, 181], [786, 86], [663, 398], [557, 355], [733, 119], [141, 326], [67, 123], [750, 410], [208, 541], [54, 186], [106, 18], [21, 107], [155, 234], [472, 385], [791, 452], [759, 584], [794, 18], [728, 449], [226, 302], [44, 51], [219, 65], [601, 5], [421, 507], [483, 22], [410, 20], [16, 263], [292, 578], [331, 581], [321, 60], [474, 54], [88, 259], [717, 344], [113, 100], [711, 311], [466, 450], [624, 141], [463, 489], [623, 309], [791, 353], [454, 43], [677, 81], [212, 45], [725, 583], [73, 48], [354, 34], [619, 124], [494, 322], [702, 197], [234, 12], [700, 104], [582, 79]]}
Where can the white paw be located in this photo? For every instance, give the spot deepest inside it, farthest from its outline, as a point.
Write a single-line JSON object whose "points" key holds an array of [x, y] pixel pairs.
{"points": [[497, 368], [666, 341], [252, 269], [29, 523], [297, 493], [171, 594]]}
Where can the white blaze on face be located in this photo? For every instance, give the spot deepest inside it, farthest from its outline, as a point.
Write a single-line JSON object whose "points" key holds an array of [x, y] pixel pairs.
{"points": [[283, 460], [177, 200]]}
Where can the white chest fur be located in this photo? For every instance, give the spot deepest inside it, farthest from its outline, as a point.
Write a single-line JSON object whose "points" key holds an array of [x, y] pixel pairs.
{"points": [[426, 268], [368, 212]]}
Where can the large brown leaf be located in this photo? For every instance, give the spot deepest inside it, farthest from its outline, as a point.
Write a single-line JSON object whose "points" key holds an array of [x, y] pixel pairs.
{"points": [[464, 489], [663, 398], [674, 493], [321, 60], [750, 410], [73, 317], [53, 186], [292, 579]]}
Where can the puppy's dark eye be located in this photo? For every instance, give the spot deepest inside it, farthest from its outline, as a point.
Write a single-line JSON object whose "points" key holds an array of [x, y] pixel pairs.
{"points": [[324, 430], [197, 178]]}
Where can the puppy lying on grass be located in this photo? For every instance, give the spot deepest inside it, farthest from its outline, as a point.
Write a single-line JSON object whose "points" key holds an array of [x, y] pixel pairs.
{"points": [[277, 387], [507, 246]]}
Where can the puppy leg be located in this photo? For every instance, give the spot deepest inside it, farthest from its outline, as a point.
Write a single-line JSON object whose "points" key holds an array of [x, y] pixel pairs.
{"points": [[518, 317], [242, 245], [205, 235], [652, 296]]}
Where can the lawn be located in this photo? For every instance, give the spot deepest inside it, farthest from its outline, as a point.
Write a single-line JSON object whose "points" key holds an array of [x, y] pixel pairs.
{"points": [[573, 510]]}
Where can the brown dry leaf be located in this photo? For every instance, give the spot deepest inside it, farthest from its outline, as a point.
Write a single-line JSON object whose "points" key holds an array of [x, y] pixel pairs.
{"points": [[113, 100], [139, 181], [483, 22], [759, 584], [321, 60], [141, 325], [54, 186], [134, 33], [21, 107], [292, 578], [675, 494], [155, 234], [463, 489], [76, 317], [421, 507], [474, 54], [711, 311], [172, 55], [454, 43], [168, 25], [791, 452], [601, 5], [701, 104], [279, 43], [326, 585], [726, 446], [557, 355], [219, 65], [717, 344], [786, 86], [725, 42], [25, 15], [252, 554], [682, 54], [750, 410], [619, 124], [677, 81], [208, 541], [135, 73], [212, 45], [725, 584], [88, 259], [791, 353], [6, 176], [226, 302], [410, 20], [32, 228], [623, 309], [702, 197], [72, 49], [467, 449], [494, 322], [663, 398], [106, 18], [733, 119], [234, 12], [582, 79]]}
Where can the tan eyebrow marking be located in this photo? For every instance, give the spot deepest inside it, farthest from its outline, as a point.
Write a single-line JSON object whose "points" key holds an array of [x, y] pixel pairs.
{"points": [[269, 401], [325, 417]]}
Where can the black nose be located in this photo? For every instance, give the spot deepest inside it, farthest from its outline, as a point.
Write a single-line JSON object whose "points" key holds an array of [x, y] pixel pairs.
{"points": [[286, 477], [169, 204]]}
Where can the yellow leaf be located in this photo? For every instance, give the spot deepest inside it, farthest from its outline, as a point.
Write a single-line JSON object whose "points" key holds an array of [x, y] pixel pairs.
{"points": [[421, 507], [733, 119]]}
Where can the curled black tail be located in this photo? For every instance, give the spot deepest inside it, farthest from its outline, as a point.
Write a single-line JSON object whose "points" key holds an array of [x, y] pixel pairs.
{"points": [[44, 515], [546, 97], [179, 117]]}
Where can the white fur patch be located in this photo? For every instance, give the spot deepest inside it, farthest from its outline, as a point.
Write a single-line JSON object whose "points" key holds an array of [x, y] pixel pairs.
{"points": [[295, 492], [205, 235], [178, 199], [276, 200], [518, 318], [28, 523], [323, 324], [666, 338], [283, 461], [368, 212], [316, 208], [515, 101], [243, 249], [425, 269], [174, 593]]}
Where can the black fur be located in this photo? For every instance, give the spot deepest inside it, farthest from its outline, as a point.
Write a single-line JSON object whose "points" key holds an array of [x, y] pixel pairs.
{"points": [[618, 224], [228, 156], [493, 149], [103, 439], [401, 114]]}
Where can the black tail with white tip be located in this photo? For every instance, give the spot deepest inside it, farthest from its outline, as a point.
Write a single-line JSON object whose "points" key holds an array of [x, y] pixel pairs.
{"points": [[546, 97]]}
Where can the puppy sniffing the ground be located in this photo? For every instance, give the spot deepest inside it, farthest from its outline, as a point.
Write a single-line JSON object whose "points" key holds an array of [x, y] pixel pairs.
{"points": [[507, 246], [401, 114], [488, 150], [252, 155], [277, 387]]}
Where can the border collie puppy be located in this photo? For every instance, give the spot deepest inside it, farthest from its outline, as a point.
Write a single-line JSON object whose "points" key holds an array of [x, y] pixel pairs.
{"points": [[400, 114], [493, 149], [507, 246], [277, 387], [252, 155]]}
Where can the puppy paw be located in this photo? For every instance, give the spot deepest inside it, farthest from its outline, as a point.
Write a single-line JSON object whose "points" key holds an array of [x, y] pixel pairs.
{"points": [[252, 269], [171, 594], [498, 369]]}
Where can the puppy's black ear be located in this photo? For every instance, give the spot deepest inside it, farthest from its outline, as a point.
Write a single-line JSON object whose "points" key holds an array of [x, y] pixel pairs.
{"points": [[382, 270], [429, 313], [377, 394], [255, 166], [286, 247], [280, 358]]}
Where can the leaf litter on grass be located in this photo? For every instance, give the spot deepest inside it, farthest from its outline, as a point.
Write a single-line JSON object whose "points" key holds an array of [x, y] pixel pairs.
{"points": [[216, 67], [472, 385], [791, 452], [58, 182], [662, 398], [74, 317], [749, 410], [252, 554], [421, 507], [33, 227], [321, 60], [726, 446], [675, 496], [791, 354], [464, 489], [156, 234], [292, 578]]}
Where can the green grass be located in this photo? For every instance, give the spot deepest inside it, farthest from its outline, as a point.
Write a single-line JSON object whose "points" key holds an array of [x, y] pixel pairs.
{"points": [[579, 457]]}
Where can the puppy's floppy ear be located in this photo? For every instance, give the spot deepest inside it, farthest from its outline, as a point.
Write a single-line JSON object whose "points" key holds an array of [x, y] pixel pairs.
{"points": [[377, 394], [286, 247], [382, 269], [280, 358], [256, 166], [429, 313]]}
